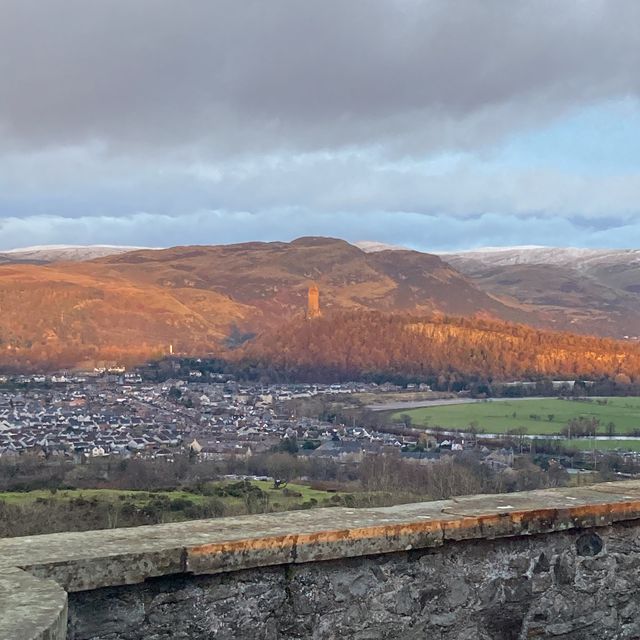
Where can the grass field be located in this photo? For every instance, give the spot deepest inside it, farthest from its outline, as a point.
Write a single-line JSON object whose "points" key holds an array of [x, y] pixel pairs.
{"points": [[285, 499], [48, 511], [137, 497], [537, 416]]}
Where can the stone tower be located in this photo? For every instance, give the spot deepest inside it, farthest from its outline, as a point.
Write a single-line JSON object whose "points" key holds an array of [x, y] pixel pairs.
{"points": [[313, 302]]}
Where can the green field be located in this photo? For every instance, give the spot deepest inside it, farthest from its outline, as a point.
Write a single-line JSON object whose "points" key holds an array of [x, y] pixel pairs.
{"points": [[48, 511], [537, 416], [285, 499], [109, 495]]}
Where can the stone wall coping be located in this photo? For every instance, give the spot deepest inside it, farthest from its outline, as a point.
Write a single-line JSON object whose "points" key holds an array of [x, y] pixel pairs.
{"points": [[31, 608], [81, 561]]}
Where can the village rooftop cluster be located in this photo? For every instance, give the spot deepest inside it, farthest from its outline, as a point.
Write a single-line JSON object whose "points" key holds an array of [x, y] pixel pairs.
{"points": [[121, 415]]}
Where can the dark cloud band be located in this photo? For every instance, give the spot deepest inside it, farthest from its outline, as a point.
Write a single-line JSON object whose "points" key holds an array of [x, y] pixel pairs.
{"points": [[254, 76]]}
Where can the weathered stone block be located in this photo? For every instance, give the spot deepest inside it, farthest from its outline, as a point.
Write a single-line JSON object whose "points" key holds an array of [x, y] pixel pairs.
{"points": [[545, 564]]}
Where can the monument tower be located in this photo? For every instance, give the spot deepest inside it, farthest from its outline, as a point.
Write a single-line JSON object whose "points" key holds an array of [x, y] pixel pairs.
{"points": [[313, 302]]}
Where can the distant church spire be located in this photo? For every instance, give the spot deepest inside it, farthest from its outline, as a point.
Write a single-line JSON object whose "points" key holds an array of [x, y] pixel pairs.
{"points": [[313, 302]]}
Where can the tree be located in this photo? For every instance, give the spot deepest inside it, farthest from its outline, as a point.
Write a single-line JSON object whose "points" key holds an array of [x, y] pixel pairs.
{"points": [[622, 379], [282, 468], [558, 475], [520, 433], [289, 445]]}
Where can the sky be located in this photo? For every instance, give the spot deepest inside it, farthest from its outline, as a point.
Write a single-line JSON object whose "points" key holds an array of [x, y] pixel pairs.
{"points": [[434, 124]]}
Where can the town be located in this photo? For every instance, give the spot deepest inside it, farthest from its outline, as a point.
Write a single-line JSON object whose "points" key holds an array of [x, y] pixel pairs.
{"points": [[115, 413], [111, 413]]}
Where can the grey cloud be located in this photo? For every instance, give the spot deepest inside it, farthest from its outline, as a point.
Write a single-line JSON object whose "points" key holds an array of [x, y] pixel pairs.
{"points": [[251, 76]]}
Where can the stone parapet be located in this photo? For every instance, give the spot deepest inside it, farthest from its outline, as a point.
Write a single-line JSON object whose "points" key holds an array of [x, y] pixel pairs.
{"points": [[31, 608], [31, 568]]}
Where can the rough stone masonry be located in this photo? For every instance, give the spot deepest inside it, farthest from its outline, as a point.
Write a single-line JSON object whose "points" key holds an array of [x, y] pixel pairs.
{"points": [[560, 563]]}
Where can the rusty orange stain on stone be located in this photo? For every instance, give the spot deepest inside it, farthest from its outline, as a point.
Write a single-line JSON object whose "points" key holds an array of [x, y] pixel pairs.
{"points": [[487, 525], [320, 537]]}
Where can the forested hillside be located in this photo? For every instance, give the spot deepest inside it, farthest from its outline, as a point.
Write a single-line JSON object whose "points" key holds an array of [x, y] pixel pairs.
{"points": [[355, 344]]}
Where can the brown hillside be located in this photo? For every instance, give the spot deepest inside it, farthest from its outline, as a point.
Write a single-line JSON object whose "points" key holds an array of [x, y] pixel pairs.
{"points": [[584, 291], [274, 277], [131, 306], [54, 317]]}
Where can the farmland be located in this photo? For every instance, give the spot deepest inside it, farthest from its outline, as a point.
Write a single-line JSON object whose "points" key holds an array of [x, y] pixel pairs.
{"points": [[541, 416]]}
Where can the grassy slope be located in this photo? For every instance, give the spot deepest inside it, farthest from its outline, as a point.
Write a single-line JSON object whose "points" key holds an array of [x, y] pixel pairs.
{"points": [[111, 495], [140, 498], [498, 417]]}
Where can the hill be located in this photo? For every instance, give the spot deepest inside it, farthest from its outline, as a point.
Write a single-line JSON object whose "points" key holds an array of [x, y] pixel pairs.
{"points": [[54, 317], [130, 306], [582, 290], [370, 344], [60, 252], [274, 277]]}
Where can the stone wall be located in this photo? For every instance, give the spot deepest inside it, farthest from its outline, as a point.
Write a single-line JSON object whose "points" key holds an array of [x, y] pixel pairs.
{"points": [[580, 585], [560, 563]]}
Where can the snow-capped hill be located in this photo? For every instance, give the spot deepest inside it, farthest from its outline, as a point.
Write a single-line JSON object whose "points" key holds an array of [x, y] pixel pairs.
{"points": [[371, 246], [587, 290], [63, 253], [559, 256]]}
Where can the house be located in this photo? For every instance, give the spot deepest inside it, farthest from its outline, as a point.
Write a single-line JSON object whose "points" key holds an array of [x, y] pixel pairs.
{"points": [[344, 450]]}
